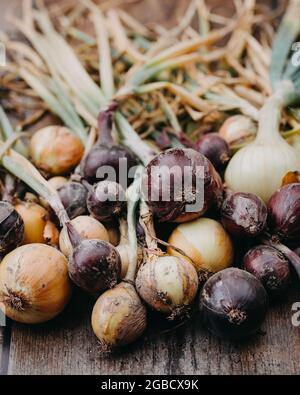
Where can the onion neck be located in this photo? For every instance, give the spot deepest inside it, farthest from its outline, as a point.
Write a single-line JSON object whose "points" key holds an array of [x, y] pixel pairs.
{"points": [[270, 114], [105, 123]]}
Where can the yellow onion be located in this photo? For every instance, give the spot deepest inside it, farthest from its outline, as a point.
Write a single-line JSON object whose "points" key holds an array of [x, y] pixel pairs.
{"points": [[205, 242], [168, 284], [37, 226], [56, 150], [87, 227], [238, 129], [57, 182], [34, 283], [118, 317]]}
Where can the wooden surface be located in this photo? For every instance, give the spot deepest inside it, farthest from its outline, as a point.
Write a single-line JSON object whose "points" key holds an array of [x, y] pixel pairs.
{"points": [[68, 346]]}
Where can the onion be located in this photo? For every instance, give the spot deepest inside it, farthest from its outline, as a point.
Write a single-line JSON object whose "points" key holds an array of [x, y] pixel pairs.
{"points": [[168, 284], [106, 200], [56, 150], [118, 317], [238, 129], [233, 304], [113, 235], [169, 196], [215, 148], [205, 242], [37, 226], [244, 215], [95, 266], [11, 228], [73, 196], [57, 182], [87, 227], [34, 283], [270, 267], [106, 153], [284, 213]]}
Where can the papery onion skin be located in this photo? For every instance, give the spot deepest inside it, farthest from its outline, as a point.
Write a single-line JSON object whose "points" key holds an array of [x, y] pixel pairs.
{"points": [[37, 226], [284, 213], [215, 148], [244, 215], [11, 228], [270, 267], [95, 266], [106, 200], [157, 177], [206, 242], [55, 150], [87, 227], [259, 169], [73, 196], [34, 284], [237, 129], [167, 284], [118, 317], [233, 304]]}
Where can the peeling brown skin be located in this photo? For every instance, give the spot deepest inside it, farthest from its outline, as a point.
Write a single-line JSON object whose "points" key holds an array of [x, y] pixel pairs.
{"points": [[11, 228], [95, 266], [119, 317], [244, 215], [175, 210]]}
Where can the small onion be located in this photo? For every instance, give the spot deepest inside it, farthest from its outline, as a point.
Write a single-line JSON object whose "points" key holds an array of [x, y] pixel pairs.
{"points": [[56, 150], [57, 182], [206, 242], [233, 304], [244, 215], [284, 213], [37, 226], [34, 283], [167, 191], [238, 129], [118, 317], [87, 227], [95, 266], [168, 284], [73, 197], [11, 228], [270, 267], [106, 200], [215, 148]]}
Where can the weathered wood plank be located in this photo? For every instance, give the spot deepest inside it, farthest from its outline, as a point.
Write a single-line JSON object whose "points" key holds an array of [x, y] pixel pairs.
{"points": [[67, 346]]}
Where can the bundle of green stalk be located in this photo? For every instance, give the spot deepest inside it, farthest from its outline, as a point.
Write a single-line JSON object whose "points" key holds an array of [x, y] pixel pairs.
{"points": [[154, 99]]}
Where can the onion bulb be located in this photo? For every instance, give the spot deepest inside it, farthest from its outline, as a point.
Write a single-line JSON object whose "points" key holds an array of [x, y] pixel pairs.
{"points": [[57, 182], [56, 150], [260, 166], [215, 148], [168, 284], [87, 227], [118, 317], [11, 228], [34, 283], [233, 304], [238, 129], [205, 242], [170, 195], [38, 227], [73, 197]]}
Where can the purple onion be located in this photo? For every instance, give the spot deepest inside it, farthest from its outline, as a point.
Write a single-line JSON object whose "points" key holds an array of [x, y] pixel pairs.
{"points": [[73, 197], [215, 149]]}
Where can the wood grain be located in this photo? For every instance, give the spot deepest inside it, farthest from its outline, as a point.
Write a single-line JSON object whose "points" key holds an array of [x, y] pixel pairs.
{"points": [[68, 346]]}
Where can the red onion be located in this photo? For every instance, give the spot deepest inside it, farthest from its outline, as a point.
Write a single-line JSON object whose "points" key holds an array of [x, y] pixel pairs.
{"points": [[169, 191], [233, 304], [284, 213], [106, 200], [244, 215], [11, 228], [73, 197], [270, 267], [106, 153], [215, 148]]}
